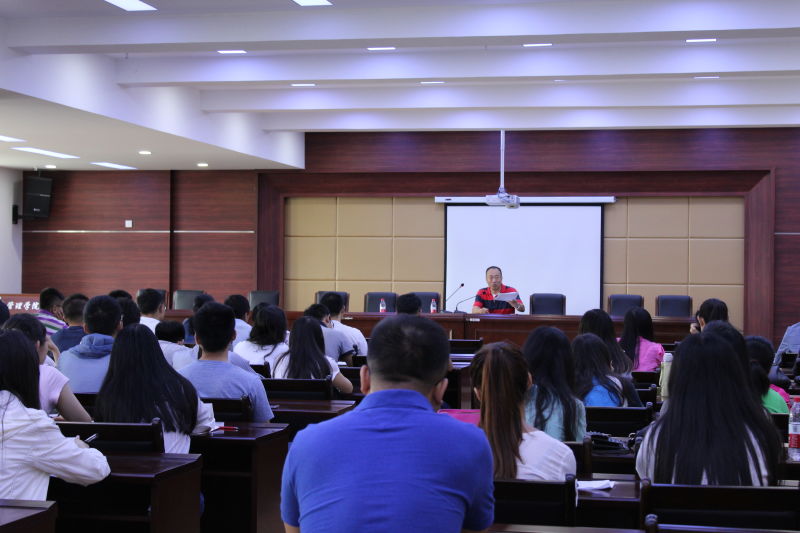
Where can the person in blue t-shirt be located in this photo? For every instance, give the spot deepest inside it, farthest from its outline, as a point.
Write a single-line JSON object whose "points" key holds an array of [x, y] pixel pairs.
{"points": [[418, 470], [595, 383]]}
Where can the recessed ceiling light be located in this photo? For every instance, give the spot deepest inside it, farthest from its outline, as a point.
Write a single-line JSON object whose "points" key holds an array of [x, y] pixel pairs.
{"points": [[701, 40], [706, 77], [306, 3], [50, 167], [380, 48], [145, 152], [431, 82], [48, 153], [112, 165], [131, 5], [532, 45], [202, 164], [559, 81], [231, 51], [304, 85], [5, 139]]}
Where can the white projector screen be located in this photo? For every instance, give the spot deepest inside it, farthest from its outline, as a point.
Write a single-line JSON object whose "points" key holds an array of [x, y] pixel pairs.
{"points": [[541, 248]]}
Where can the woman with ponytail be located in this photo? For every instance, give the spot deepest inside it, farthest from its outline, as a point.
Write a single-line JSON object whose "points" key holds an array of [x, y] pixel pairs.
{"points": [[501, 380]]}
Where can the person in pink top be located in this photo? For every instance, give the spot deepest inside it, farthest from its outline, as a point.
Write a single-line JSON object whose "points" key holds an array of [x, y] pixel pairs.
{"points": [[637, 341]]}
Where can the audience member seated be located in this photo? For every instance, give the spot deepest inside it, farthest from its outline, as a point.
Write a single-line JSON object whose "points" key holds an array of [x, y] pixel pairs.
{"points": [[33, 447], [736, 340], [55, 394], [73, 314], [130, 311], [120, 293], [712, 434], [199, 301], [637, 341], [551, 404], [501, 379], [140, 385], [709, 311], [5, 314], [170, 339], [409, 304], [773, 398], [306, 359], [86, 363], [337, 343], [335, 304], [152, 306], [51, 313], [241, 310], [594, 382], [404, 471], [790, 343], [213, 376], [267, 337]]}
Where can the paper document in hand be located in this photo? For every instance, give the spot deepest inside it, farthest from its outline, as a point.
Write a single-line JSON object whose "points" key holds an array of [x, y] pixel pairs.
{"points": [[507, 296]]}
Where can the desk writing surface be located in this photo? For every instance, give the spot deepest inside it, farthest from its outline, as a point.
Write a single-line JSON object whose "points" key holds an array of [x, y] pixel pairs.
{"points": [[25, 516]]}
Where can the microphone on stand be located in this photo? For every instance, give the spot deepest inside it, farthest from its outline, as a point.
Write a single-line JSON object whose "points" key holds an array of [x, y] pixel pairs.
{"points": [[462, 301], [451, 295]]}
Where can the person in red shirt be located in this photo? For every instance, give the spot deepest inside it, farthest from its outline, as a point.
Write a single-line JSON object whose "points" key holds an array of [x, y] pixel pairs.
{"points": [[486, 300]]}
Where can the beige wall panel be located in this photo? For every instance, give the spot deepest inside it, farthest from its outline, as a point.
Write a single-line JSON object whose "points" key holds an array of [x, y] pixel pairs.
{"points": [[716, 261], [733, 295], [649, 292], [365, 217], [716, 217], [663, 261], [358, 289], [364, 258], [297, 295], [612, 288], [615, 260], [615, 218], [310, 258], [311, 217], [418, 217], [418, 259], [658, 217]]}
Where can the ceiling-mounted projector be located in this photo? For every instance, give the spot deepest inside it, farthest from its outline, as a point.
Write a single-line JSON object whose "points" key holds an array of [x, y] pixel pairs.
{"points": [[503, 199]]}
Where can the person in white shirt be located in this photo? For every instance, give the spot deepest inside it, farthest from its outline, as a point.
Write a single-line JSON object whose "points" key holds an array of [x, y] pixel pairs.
{"points": [[170, 335], [501, 380], [335, 304], [140, 386], [33, 447], [267, 337], [152, 306], [241, 310]]}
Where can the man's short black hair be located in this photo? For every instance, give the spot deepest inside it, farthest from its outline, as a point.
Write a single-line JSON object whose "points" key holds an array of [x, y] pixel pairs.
{"points": [[409, 304], [130, 312], [50, 298], [170, 331], [333, 301], [318, 311], [214, 326], [497, 267], [149, 301], [409, 348], [239, 304], [200, 300], [74, 306], [120, 293], [102, 314]]}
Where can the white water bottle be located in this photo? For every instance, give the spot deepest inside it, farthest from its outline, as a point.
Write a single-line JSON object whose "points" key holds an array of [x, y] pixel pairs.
{"points": [[382, 306], [794, 431], [433, 305]]}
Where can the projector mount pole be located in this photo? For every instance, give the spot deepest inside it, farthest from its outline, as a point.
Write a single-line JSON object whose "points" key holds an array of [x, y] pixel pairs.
{"points": [[501, 192]]}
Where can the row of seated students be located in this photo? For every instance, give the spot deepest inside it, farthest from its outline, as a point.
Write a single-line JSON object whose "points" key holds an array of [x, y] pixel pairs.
{"points": [[713, 430]]}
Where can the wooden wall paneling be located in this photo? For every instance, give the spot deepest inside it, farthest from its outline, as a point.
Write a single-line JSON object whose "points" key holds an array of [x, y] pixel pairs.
{"points": [[215, 200], [95, 263], [759, 258], [787, 283]]}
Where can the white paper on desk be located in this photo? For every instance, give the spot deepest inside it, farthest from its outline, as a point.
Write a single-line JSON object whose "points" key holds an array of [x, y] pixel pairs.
{"points": [[507, 296], [600, 484]]}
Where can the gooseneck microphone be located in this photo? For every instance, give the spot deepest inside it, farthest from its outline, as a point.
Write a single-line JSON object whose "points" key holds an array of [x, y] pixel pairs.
{"points": [[462, 301], [452, 293]]}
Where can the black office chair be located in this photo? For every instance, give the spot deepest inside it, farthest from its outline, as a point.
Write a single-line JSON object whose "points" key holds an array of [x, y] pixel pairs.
{"points": [[618, 304], [232, 409], [675, 305], [118, 437], [269, 297], [426, 297], [184, 299], [345, 297], [535, 502], [618, 421], [546, 303], [372, 301]]}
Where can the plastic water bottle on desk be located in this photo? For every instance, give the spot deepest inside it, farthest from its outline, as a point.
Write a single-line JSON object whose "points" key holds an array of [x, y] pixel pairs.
{"points": [[794, 431], [382, 306], [433, 305]]}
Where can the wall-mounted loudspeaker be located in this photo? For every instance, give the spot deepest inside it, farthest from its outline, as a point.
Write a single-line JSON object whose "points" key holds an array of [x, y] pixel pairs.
{"points": [[36, 199]]}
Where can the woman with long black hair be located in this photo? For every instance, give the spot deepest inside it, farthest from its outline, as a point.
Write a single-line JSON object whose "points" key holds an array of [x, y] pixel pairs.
{"points": [[140, 385], [551, 404], [595, 383], [637, 341], [712, 433], [267, 338], [306, 356]]}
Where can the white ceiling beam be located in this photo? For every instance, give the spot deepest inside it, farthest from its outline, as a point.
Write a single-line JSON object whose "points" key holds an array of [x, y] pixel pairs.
{"points": [[314, 28], [640, 61]]}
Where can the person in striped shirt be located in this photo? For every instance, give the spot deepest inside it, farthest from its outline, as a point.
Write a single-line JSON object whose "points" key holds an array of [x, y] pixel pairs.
{"points": [[51, 312]]}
